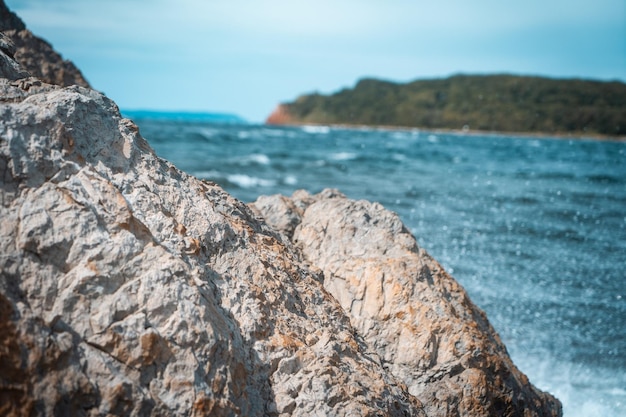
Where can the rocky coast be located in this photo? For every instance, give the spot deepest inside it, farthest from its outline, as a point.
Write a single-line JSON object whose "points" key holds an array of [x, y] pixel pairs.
{"points": [[128, 287]]}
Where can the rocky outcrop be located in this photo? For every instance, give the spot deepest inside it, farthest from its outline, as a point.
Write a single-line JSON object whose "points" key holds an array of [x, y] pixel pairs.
{"points": [[36, 55], [417, 318], [280, 116], [130, 288], [9, 20]]}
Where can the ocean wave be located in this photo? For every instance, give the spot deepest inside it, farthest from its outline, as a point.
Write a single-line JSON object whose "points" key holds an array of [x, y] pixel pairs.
{"points": [[257, 158], [239, 180], [244, 134], [583, 391], [275, 132], [290, 180], [207, 133], [316, 130], [246, 181], [206, 175], [343, 156], [604, 179]]}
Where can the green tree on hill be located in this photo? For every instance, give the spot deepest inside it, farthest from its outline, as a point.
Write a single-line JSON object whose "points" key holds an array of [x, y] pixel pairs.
{"points": [[481, 102]]}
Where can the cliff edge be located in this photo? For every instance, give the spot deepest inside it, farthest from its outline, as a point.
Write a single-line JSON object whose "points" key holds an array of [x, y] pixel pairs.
{"points": [[128, 287]]}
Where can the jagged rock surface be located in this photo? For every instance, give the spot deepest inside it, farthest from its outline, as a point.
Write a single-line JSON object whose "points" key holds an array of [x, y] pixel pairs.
{"points": [[408, 309], [36, 55], [130, 288]]}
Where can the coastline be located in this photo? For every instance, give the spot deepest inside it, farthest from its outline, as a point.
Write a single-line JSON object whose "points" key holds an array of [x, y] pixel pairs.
{"points": [[461, 132], [497, 102]]}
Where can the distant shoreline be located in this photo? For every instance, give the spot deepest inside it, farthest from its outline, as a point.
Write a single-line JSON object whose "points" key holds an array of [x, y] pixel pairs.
{"points": [[182, 115], [460, 132], [487, 103]]}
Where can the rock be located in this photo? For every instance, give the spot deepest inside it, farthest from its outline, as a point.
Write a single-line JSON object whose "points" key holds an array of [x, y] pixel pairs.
{"points": [[36, 55], [128, 287], [9, 20], [417, 318], [10, 69], [280, 116]]}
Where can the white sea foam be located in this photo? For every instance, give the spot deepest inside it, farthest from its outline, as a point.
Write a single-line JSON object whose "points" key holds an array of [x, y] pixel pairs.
{"points": [[577, 386], [207, 132], [246, 181], [274, 132], [290, 180], [258, 158], [316, 130], [343, 156], [401, 135]]}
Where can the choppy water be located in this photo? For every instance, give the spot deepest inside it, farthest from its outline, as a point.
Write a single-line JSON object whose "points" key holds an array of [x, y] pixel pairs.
{"points": [[534, 229]]}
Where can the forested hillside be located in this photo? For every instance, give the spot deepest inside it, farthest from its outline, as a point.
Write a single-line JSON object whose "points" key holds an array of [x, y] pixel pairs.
{"points": [[478, 102]]}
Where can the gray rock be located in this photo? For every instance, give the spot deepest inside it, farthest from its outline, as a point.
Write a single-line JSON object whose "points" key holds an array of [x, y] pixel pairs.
{"points": [[9, 20], [9, 69], [130, 288], [35, 55], [407, 308]]}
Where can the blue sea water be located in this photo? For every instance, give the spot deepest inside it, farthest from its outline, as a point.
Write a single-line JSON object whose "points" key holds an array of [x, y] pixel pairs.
{"points": [[533, 228]]}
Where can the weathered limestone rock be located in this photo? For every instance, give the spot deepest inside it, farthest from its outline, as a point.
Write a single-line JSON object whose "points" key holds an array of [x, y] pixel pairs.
{"points": [[36, 55], [130, 288], [407, 308]]}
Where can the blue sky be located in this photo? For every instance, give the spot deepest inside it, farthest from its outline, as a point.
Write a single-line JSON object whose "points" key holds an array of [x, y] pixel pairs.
{"points": [[246, 56]]}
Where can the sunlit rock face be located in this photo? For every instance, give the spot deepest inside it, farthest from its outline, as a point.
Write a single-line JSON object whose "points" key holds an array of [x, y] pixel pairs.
{"points": [[415, 316], [130, 288]]}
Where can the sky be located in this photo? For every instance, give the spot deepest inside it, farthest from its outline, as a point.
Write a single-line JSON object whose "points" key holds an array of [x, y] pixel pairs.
{"points": [[245, 56]]}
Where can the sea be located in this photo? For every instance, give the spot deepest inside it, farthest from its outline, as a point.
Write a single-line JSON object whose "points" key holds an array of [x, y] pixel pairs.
{"points": [[533, 227]]}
